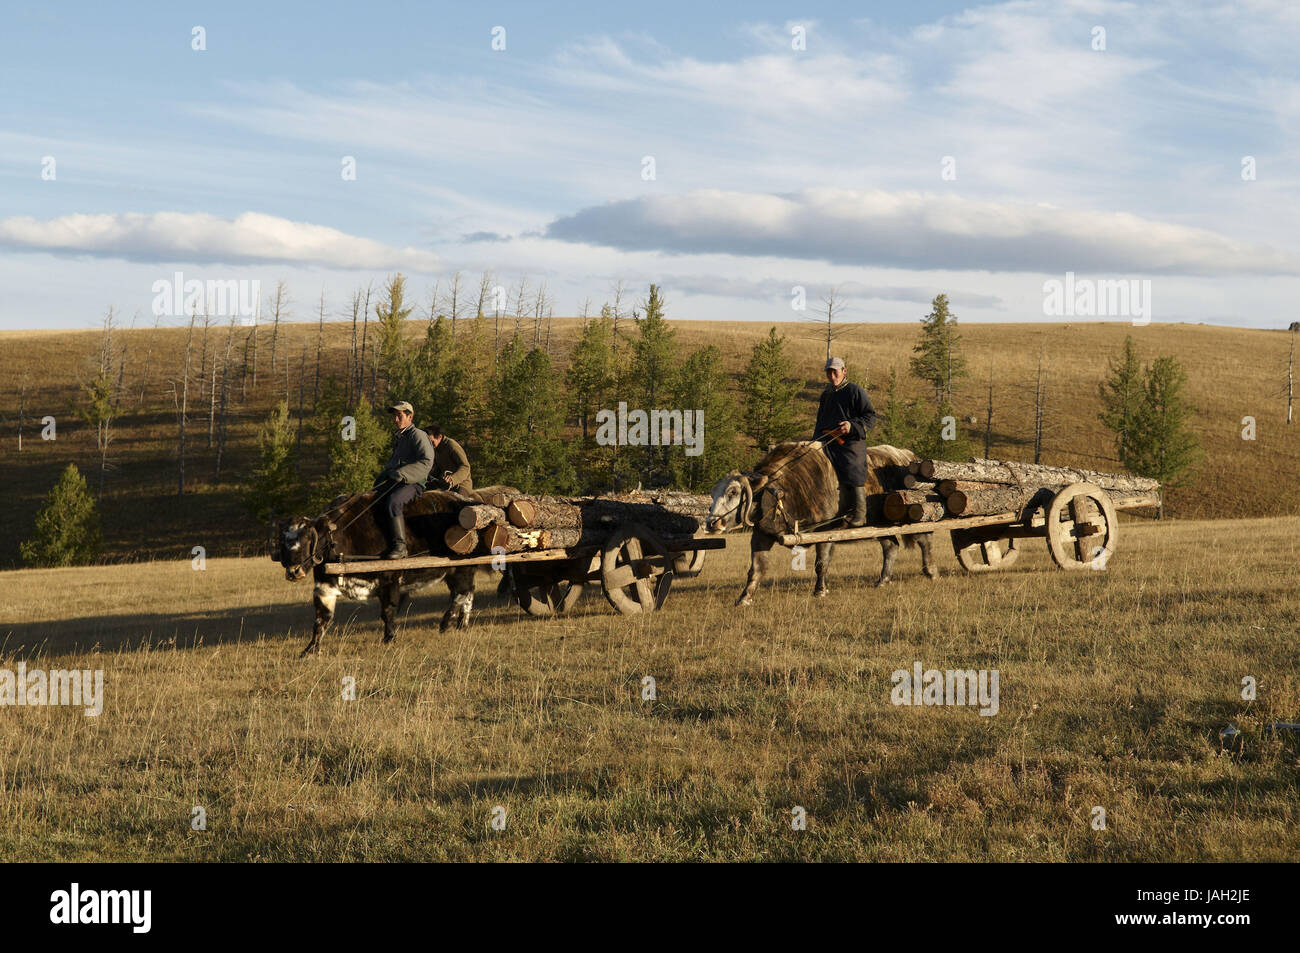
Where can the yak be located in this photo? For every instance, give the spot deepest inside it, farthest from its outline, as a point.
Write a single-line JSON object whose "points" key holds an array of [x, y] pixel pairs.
{"points": [[348, 528], [794, 488]]}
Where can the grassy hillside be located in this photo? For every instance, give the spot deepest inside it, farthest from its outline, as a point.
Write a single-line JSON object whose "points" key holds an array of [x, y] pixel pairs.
{"points": [[1113, 688], [1233, 373]]}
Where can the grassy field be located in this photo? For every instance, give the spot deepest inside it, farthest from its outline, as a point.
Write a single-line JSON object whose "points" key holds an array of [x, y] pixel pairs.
{"points": [[1114, 686], [1233, 373]]}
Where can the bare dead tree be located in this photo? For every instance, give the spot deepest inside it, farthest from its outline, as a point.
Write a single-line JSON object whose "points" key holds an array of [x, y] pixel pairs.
{"points": [[988, 416], [352, 351], [484, 289], [455, 304], [212, 390], [302, 391], [22, 411], [365, 324], [225, 390], [257, 317], [1040, 404], [279, 309], [182, 406], [539, 308], [320, 341], [833, 307], [203, 352], [550, 317], [520, 292], [144, 375], [618, 313], [1290, 376]]}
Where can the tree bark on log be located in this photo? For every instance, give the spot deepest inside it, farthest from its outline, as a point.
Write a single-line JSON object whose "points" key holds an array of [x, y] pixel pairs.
{"points": [[479, 516], [500, 536], [897, 505], [991, 499], [1030, 474], [927, 512]]}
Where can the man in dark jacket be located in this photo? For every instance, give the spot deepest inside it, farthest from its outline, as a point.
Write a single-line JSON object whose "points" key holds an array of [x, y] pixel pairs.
{"points": [[450, 464], [845, 410], [403, 478]]}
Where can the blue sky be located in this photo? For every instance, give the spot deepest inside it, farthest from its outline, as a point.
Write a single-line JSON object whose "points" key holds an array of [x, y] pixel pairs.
{"points": [[773, 167]]}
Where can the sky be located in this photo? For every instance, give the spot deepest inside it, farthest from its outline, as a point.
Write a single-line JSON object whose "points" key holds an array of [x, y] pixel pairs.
{"points": [[732, 153]]}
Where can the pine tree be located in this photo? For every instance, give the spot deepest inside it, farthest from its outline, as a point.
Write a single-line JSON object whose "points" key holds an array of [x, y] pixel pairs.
{"points": [[526, 448], [702, 385], [653, 375], [769, 390], [903, 423], [392, 314], [1163, 445], [939, 360], [354, 463], [273, 488], [67, 530], [589, 388], [1121, 399]]}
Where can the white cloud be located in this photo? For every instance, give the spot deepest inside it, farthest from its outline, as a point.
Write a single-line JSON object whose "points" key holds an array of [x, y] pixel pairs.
{"points": [[251, 237], [914, 230]]}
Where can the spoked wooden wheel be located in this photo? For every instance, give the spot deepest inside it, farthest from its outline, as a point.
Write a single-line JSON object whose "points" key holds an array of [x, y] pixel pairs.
{"points": [[1081, 527], [982, 553], [688, 564], [635, 580], [541, 594]]}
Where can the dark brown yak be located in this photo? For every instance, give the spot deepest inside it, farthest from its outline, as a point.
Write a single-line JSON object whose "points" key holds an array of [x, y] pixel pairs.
{"points": [[348, 527], [793, 487]]}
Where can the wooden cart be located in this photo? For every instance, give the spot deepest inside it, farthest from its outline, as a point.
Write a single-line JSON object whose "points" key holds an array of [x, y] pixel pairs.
{"points": [[635, 568], [1079, 521]]}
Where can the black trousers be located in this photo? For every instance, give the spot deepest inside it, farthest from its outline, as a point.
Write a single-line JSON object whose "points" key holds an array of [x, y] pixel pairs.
{"points": [[398, 497]]}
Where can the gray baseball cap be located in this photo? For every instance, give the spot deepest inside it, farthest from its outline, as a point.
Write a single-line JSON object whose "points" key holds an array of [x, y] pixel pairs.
{"points": [[402, 406], [835, 364]]}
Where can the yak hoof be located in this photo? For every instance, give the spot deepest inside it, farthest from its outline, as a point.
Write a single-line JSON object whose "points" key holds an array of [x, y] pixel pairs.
{"points": [[388, 637], [313, 648], [932, 574], [882, 581], [744, 600], [821, 592]]}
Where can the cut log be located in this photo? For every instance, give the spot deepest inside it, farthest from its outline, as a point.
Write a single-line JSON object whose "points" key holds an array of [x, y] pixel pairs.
{"points": [[992, 498], [946, 487], [914, 482], [897, 505], [501, 537], [926, 512], [480, 515], [1030, 474], [460, 540], [521, 512]]}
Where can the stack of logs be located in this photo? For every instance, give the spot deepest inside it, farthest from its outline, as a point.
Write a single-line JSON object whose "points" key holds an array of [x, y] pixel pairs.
{"points": [[936, 489], [514, 522]]}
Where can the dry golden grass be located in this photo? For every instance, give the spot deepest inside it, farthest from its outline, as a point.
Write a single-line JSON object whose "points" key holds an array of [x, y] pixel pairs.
{"points": [[1113, 688]]}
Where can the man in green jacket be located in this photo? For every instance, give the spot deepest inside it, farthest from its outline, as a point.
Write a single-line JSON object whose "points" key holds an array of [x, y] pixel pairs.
{"points": [[450, 464], [403, 478]]}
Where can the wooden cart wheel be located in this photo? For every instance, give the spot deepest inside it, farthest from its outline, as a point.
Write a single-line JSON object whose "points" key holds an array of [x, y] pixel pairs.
{"points": [[1081, 527], [976, 554], [689, 564], [633, 580], [543, 594]]}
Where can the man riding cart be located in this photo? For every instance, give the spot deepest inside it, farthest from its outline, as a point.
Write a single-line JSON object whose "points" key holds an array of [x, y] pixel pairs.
{"points": [[415, 456], [844, 415]]}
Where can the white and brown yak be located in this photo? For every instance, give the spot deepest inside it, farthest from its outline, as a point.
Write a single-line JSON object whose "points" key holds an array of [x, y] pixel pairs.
{"points": [[794, 488]]}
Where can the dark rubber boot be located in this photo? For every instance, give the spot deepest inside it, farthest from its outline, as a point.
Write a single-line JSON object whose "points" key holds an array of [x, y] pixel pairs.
{"points": [[396, 532], [859, 517]]}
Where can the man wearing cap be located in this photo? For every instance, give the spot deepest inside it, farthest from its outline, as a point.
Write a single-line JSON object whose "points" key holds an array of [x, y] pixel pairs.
{"points": [[846, 411], [403, 478]]}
